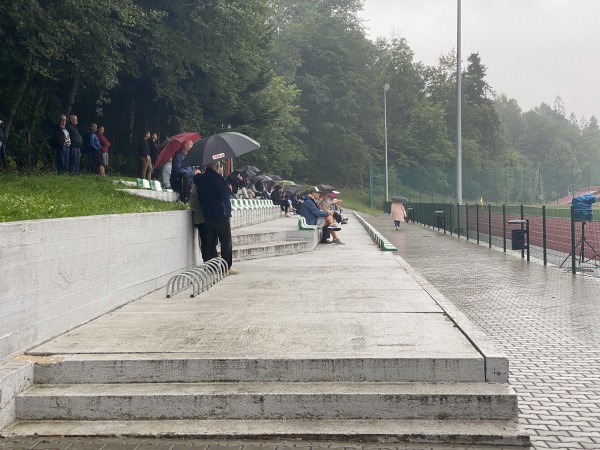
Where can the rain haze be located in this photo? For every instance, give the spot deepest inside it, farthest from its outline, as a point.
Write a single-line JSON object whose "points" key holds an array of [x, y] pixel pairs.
{"points": [[534, 50]]}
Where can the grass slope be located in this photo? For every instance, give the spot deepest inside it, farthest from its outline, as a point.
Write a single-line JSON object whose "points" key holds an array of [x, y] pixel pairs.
{"points": [[33, 197]]}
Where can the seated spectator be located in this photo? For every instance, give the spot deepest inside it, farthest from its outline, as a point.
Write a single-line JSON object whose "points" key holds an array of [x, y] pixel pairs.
{"points": [[337, 209], [235, 182], [182, 178], [314, 216], [279, 198], [166, 174], [325, 204]]}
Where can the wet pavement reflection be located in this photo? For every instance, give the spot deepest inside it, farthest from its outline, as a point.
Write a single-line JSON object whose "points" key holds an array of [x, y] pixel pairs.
{"points": [[544, 319]]}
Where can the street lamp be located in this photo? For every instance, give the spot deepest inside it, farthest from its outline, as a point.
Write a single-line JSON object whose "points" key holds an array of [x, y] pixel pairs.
{"points": [[386, 87], [459, 198]]}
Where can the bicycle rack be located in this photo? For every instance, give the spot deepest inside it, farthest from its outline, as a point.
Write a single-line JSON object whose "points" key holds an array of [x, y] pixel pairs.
{"points": [[200, 278]]}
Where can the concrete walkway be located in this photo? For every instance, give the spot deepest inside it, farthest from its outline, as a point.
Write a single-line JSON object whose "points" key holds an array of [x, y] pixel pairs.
{"points": [[544, 319], [338, 301]]}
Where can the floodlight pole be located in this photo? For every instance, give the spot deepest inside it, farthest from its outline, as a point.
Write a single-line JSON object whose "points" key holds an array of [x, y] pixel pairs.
{"points": [[386, 87], [459, 198]]}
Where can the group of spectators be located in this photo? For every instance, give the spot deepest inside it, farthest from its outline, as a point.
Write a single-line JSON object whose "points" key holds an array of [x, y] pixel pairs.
{"points": [[68, 143], [148, 154], [324, 210]]}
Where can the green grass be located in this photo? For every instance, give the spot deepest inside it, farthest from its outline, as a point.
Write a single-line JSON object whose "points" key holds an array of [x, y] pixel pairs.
{"points": [[358, 200], [33, 197]]}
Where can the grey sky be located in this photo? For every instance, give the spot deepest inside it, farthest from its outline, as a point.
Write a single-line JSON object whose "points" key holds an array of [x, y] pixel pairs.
{"points": [[534, 50]]}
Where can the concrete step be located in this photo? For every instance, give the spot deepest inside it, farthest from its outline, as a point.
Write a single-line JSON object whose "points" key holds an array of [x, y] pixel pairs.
{"points": [[192, 368], [243, 237], [481, 432], [245, 252], [268, 401]]}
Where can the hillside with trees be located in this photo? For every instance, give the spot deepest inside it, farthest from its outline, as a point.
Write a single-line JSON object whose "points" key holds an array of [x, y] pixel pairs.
{"points": [[301, 77]]}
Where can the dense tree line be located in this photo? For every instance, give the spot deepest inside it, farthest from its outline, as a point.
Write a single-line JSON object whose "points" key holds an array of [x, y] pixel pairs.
{"points": [[299, 76]]}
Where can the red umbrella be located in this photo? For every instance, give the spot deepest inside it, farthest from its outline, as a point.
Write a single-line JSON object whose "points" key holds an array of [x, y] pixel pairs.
{"points": [[172, 144]]}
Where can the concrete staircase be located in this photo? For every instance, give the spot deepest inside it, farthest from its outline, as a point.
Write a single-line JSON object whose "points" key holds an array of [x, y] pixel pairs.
{"points": [[262, 356], [148, 395], [261, 241]]}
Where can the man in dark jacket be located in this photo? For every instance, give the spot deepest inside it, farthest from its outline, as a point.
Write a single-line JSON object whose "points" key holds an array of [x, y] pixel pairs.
{"points": [[215, 200], [76, 143], [145, 161], [153, 146]]}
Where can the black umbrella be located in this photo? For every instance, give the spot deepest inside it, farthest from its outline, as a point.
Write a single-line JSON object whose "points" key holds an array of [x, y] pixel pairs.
{"points": [[253, 169], [260, 178], [276, 178], [325, 188], [399, 199], [218, 147], [292, 188]]}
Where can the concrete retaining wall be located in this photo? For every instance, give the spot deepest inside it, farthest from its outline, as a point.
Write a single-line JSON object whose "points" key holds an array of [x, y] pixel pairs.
{"points": [[60, 273]]}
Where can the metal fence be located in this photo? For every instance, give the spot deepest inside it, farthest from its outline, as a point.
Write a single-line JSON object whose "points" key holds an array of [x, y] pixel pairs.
{"points": [[497, 186], [566, 237]]}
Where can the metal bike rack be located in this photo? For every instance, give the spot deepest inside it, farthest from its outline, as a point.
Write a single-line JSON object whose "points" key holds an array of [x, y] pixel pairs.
{"points": [[200, 278]]}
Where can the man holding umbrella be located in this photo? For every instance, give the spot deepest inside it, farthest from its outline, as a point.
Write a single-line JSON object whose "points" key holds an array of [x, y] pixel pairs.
{"points": [[215, 201]]}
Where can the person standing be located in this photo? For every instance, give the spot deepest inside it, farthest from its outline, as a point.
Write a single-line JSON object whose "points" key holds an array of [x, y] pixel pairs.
{"points": [[105, 144], [2, 149], [398, 214], [145, 161], [182, 177], [198, 220], [60, 142], [93, 145], [153, 144], [215, 200], [76, 143]]}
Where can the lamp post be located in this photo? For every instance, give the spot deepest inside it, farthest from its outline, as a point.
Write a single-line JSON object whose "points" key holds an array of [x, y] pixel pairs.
{"points": [[386, 87], [459, 198]]}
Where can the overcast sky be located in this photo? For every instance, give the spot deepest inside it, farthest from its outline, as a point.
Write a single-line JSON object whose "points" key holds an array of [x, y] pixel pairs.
{"points": [[534, 50]]}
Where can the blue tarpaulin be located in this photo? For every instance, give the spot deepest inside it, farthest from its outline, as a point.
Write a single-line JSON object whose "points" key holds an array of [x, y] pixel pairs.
{"points": [[582, 207]]}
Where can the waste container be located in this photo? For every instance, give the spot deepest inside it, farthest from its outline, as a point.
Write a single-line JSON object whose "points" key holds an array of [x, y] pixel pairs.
{"points": [[517, 238], [410, 214], [440, 219], [387, 207]]}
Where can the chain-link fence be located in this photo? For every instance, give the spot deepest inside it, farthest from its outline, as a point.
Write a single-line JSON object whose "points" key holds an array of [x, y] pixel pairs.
{"points": [[566, 237], [497, 186]]}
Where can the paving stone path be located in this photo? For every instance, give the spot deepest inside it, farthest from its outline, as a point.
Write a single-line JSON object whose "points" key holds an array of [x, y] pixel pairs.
{"points": [[545, 320]]}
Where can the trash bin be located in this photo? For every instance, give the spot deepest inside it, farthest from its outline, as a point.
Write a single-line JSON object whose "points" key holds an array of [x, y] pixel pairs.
{"points": [[517, 238], [440, 219], [410, 214], [387, 207]]}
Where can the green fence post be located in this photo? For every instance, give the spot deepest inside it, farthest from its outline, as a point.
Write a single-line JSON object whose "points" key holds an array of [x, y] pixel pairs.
{"points": [[477, 221], [489, 225], [545, 250], [573, 257], [458, 220], [371, 187], [504, 227], [451, 227], [523, 218], [467, 220]]}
